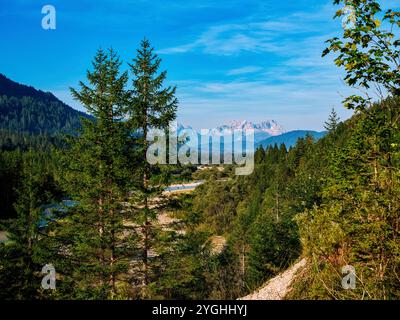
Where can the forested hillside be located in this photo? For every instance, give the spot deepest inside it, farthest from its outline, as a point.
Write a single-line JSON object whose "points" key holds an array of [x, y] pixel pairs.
{"points": [[30, 120], [25, 109]]}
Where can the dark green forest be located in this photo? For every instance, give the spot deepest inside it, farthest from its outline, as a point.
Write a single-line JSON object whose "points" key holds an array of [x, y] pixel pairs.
{"points": [[25, 109], [334, 201]]}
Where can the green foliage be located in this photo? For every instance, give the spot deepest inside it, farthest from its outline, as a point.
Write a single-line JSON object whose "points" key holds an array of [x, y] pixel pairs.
{"points": [[12, 168], [333, 121], [150, 106], [357, 221], [185, 264], [255, 213], [10, 141], [19, 268], [369, 49], [32, 111], [89, 247], [217, 202]]}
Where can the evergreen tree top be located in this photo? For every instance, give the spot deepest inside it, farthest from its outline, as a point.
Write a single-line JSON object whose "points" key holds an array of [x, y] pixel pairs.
{"points": [[333, 121]]}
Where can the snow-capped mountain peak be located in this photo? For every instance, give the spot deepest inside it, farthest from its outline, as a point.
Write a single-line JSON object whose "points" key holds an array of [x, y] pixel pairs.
{"points": [[270, 127], [262, 130]]}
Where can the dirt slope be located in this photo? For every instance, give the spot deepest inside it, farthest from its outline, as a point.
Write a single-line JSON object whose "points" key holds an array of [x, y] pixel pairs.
{"points": [[277, 288]]}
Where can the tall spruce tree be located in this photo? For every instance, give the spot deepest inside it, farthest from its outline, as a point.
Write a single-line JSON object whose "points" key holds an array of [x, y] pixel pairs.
{"points": [[152, 106], [95, 242]]}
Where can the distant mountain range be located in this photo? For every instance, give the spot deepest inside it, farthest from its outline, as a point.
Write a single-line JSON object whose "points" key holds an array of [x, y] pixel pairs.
{"points": [[26, 109], [266, 133], [262, 130]]}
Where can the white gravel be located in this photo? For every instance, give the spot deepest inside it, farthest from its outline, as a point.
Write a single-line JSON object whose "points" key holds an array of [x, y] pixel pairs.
{"points": [[277, 288]]}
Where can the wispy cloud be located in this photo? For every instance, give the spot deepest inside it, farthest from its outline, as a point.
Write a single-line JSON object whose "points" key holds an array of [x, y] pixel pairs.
{"points": [[244, 70], [231, 39], [259, 36]]}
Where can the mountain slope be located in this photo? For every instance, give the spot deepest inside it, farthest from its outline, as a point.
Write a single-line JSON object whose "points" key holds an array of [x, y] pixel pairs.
{"points": [[290, 138], [26, 109]]}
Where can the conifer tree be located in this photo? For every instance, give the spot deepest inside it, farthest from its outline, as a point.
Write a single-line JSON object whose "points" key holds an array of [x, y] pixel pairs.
{"points": [[333, 121], [96, 245], [259, 155], [152, 106]]}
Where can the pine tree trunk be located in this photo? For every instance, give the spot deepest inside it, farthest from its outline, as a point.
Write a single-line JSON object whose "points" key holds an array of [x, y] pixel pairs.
{"points": [[112, 258], [101, 234], [146, 226]]}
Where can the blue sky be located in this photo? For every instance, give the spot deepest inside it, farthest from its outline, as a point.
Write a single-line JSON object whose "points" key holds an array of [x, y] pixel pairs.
{"points": [[236, 59]]}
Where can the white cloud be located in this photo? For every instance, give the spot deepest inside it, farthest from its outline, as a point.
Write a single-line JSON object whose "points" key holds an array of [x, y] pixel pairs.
{"points": [[244, 70]]}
